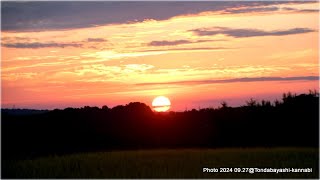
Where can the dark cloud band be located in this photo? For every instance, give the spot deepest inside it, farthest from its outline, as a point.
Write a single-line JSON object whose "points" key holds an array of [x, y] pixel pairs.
{"points": [[37, 45], [55, 15], [174, 43], [242, 33], [254, 79], [96, 40]]}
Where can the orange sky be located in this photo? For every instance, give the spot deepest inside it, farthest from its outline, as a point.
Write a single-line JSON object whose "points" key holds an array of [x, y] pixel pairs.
{"points": [[197, 59]]}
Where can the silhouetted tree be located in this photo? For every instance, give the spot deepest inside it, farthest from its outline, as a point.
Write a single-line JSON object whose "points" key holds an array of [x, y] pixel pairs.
{"points": [[251, 103], [224, 104], [105, 108]]}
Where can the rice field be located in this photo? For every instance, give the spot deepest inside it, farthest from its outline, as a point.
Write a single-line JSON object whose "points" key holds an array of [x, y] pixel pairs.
{"points": [[167, 163]]}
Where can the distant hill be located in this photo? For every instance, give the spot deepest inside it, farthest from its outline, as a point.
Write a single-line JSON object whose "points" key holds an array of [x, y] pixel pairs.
{"points": [[22, 112]]}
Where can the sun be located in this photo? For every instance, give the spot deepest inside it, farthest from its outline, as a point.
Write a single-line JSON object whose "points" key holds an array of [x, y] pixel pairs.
{"points": [[161, 104]]}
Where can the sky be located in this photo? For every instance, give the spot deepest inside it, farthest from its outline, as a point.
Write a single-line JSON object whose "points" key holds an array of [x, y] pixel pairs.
{"points": [[198, 54]]}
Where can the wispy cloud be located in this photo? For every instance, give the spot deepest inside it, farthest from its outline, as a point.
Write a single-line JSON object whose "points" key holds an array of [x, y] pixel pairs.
{"points": [[234, 80], [96, 40], [242, 33], [251, 9], [36, 45], [16, 39], [188, 49], [176, 42], [138, 67], [300, 10], [168, 43], [103, 56]]}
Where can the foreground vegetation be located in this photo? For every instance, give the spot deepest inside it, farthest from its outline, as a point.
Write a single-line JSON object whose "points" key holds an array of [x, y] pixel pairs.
{"points": [[161, 163]]}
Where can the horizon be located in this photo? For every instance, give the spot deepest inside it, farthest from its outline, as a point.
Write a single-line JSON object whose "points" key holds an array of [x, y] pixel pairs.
{"points": [[187, 109], [57, 55]]}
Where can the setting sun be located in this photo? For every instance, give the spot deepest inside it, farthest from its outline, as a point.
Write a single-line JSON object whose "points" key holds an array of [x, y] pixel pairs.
{"points": [[161, 104]]}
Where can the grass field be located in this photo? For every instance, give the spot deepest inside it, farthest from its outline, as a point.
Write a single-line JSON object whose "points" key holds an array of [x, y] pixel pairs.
{"points": [[179, 163]]}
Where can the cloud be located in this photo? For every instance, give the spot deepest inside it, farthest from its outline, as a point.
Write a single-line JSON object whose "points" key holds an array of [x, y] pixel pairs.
{"points": [[300, 10], [308, 10], [187, 49], [102, 56], [138, 67], [168, 43], [96, 40], [36, 45], [251, 10], [173, 43], [31, 43], [241, 33], [50, 15], [12, 39], [254, 79]]}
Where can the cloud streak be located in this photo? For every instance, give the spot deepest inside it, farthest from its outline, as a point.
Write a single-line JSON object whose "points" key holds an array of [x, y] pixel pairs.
{"points": [[169, 43], [235, 80], [251, 10], [174, 43], [36, 45], [301, 10], [188, 49], [96, 40], [243, 33]]}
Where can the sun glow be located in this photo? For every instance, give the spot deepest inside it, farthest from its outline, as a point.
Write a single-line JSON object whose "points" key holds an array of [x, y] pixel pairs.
{"points": [[161, 104]]}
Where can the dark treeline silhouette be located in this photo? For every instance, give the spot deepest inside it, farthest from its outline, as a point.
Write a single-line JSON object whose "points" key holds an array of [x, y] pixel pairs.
{"points": [[293, 121]]}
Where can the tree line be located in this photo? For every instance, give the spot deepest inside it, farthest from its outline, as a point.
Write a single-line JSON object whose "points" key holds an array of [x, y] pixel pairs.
{"points": [[292, 121]]}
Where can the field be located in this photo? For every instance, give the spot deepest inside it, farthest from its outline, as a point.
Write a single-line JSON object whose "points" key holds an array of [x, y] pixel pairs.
{"points": [[162, 163]]}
